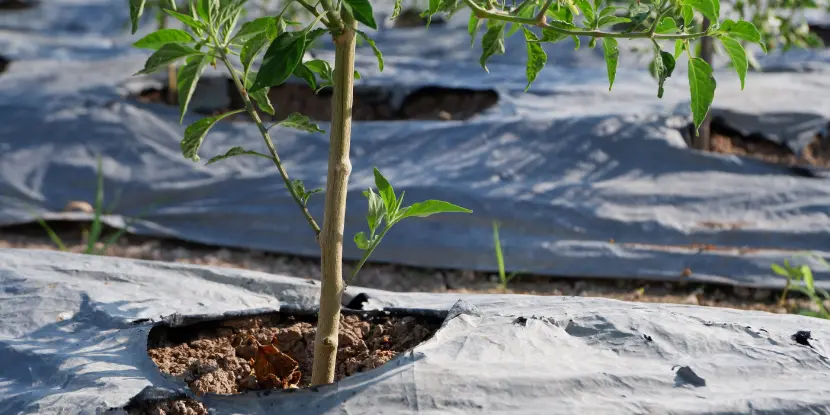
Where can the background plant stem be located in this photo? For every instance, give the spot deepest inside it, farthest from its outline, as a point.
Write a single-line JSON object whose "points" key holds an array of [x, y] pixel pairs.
{"points": [[331, 239], [707, 51]]}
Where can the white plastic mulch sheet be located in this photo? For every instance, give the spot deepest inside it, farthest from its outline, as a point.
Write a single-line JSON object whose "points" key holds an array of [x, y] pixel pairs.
{"points": [[566, 167], [73, 338]]}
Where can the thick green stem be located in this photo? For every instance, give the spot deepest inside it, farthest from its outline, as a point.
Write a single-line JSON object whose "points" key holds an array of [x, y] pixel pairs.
{"points": [[249, 106], [331, 239]]}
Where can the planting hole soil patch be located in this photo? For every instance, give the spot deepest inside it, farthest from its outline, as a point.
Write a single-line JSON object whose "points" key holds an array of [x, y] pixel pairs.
{"points": [[413, 18], [17, 4], [370, 103], [728, 141], [275, 350]]}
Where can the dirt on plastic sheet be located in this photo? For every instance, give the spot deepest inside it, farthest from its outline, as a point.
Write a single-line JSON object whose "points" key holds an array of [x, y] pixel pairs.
{"points": [[276, 351]]}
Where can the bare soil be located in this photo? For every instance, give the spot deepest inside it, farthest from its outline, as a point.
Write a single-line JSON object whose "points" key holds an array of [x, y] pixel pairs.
{"points": [[404, 279], [271, 351], [184, 406], [412, 18], [816, 154], [10, 5], [370, 103]]}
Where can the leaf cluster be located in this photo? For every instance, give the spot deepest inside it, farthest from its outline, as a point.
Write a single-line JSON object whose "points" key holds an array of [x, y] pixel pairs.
{"points": [[801, 279]]}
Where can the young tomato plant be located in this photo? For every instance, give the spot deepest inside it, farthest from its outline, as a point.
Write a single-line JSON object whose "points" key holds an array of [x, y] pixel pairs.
{"points": [[213, 36]]}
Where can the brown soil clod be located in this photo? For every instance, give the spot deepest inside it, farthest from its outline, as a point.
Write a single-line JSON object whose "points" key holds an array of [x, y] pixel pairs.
{"points": [[370, 103], [275, 351]]}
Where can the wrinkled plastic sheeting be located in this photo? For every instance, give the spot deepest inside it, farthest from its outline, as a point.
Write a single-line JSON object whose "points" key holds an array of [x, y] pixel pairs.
{"points": [[73, 339], [567, 167]]}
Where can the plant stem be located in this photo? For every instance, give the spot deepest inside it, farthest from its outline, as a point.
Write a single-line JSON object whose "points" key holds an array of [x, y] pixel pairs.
{"points": [[782, 300], [249, 106], [368, 253], [498, 15], [331, 239], [333, 14], [313, 10]]}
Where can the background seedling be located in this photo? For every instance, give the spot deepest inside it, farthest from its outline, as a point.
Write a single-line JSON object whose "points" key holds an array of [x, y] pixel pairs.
{"points": [[504, 278], [800, 279], [213, 36], [93, 235]]}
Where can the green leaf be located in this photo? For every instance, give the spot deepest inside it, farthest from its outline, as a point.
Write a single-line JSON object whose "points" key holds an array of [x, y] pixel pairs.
{"points": [[375, 213], [688, 15], [702, 85], [302, 72], [638, 13], [387, 193], [304, 194], [611, 20], [742, 30], [536, 57], [661, 68], [472, 27], [374, 47], [738, 55], [284, 54], [255, 27], [609, 11], [203, 8], [612, 55], [492, 43], [188, 78], [430, 207], [300, 122], [260, 95], [396, 10], [710, 9], [322, 68], [312, 36], [667, 25], [237, 151], [780, 271], [361, 241], [552, 36], [162, 37], [192, 23], [678, 48], [808, 278], [251, 49], [195, 134], [166, 55], [136, 10], [362, 11], [587, 9]]}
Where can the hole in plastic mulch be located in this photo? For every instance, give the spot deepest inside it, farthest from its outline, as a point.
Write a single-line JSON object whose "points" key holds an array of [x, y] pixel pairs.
{"points": [[274, 350], [371, 103], [726, 140], [11, 5]]}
